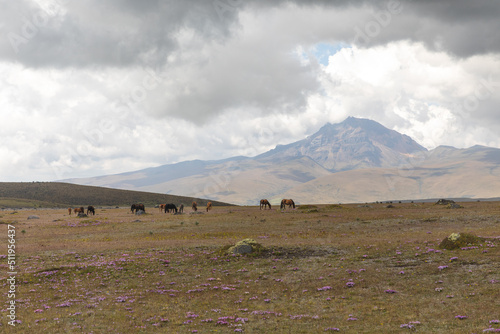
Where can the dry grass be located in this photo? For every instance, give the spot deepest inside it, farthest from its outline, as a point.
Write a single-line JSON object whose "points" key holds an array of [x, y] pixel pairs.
{"points": [[325, 267]]}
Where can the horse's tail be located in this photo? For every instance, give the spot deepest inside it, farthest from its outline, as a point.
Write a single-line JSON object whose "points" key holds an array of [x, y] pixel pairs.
{"points": [[293, 203]]}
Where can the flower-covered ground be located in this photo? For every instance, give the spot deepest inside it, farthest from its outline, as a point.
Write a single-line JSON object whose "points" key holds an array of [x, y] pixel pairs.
{"points": [[326, 268]]}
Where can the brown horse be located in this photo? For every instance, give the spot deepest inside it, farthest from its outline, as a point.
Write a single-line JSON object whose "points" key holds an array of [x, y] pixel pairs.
{"points": [[209, 206], [78, 210], [162, 207], [194, 206], [286, 202], [69, 211], [264, 203], [181, 208]]}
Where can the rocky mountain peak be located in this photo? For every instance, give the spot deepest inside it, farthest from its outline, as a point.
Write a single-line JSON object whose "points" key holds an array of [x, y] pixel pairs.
{"points": [[352, 144]]}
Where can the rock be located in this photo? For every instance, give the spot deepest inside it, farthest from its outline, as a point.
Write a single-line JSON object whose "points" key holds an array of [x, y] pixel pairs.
{"points": [[241, 249], [459, 240], [33, 217], [454, 206], [81, 215], [246, 246], [443, 201], [139, 212]]}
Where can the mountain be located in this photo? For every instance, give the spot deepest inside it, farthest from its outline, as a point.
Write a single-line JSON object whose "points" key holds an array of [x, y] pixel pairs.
{"points": [[353, 144], [357, 160]]}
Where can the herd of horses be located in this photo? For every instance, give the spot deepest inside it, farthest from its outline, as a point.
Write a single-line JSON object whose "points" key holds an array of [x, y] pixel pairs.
{"points": [[90, 210], [264, 203], [167, 208]]}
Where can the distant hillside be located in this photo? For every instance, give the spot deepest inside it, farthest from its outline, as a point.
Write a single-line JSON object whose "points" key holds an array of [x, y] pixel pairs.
{"points": [[49, 194]]}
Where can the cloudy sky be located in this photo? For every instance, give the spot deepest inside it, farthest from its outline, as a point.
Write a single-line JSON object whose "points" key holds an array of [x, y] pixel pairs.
{"points": [[93, 87]]}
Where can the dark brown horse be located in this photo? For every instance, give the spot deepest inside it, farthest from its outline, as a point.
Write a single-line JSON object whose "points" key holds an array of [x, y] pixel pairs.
{"points": [[209, 206], [137, 207], [194, 206], [181, 208], [286, 202], [90, 209], [69, 211], [264, 203]]}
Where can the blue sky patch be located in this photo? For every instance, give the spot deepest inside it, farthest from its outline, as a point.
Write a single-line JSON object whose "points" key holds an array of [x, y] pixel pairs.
{"points": [[324, 50]]}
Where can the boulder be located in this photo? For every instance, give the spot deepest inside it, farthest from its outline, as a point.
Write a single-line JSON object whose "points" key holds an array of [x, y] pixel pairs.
{"points": [[443, 201], [459, 240], [33, 217], [246, 246]]}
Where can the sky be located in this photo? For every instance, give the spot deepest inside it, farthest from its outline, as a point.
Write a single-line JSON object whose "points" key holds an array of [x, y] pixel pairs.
{"points": [[91, 88]]}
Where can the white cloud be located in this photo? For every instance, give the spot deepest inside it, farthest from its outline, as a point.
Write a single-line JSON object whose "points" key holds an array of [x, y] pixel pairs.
{"points": [[415, 91]]}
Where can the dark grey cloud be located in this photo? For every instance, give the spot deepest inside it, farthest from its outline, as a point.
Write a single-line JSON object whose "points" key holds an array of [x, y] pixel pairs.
{"points": [[97, 33], [125, 32]]}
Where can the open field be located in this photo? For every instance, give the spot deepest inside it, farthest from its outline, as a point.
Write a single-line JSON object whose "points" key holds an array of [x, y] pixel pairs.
{"points": [[355, 268]]}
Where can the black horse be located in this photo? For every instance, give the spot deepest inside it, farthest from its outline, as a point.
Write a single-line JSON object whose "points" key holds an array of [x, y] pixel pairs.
{"points": [[90, 209], [137, 207], [169, 207]]}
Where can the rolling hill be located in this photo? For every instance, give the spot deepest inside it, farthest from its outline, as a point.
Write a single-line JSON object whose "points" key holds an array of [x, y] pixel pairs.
{"points": [[57, 194], [357, 160]]}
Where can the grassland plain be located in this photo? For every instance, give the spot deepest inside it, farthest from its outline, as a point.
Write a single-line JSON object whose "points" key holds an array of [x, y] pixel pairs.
{"points": [[326, 268]]}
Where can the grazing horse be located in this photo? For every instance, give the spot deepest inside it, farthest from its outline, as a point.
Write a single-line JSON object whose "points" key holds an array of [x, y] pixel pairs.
{"points": [[286, 202], [162, 207], [69, 211], [169, 207], [181, 208], [264, 203], [90, 209], [78, 210], [209, 206], [137, 207], [194, 206]]}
